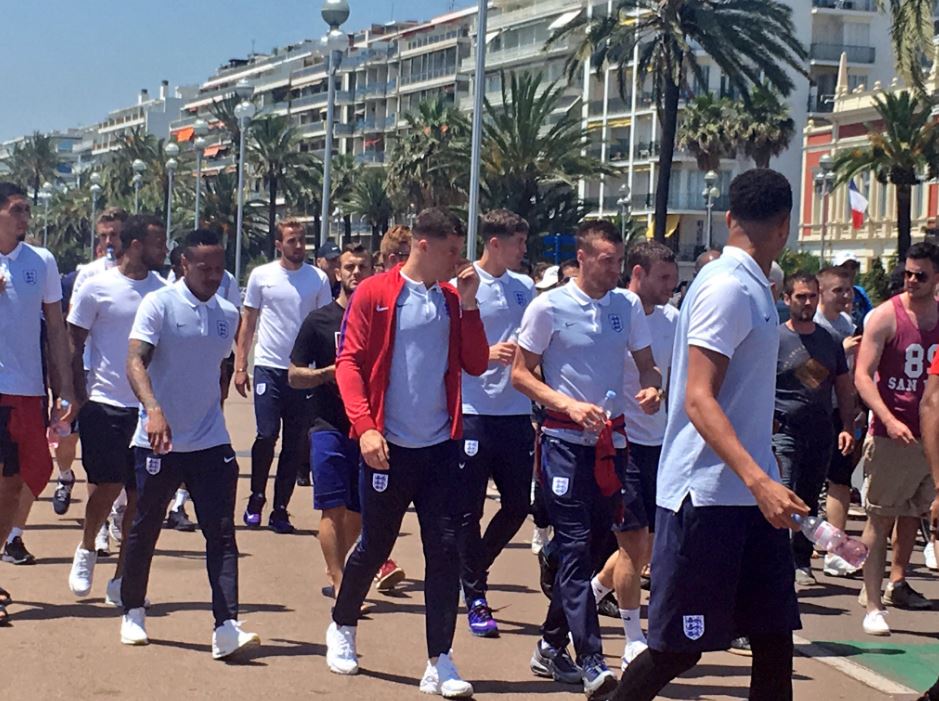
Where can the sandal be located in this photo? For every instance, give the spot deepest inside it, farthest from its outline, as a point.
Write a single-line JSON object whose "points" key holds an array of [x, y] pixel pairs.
{"points": [[5, 598]]}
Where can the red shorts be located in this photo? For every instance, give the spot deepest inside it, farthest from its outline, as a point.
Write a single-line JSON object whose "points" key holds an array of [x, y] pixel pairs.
{"points": [[24, 448]]}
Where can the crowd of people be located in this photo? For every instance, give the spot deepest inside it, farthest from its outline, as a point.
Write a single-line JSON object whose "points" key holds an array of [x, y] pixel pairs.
{"points": [[651, 445]]}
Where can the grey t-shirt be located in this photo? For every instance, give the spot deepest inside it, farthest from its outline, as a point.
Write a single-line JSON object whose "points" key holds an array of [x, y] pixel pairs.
{"points": [[805, 373], [841, 328]]}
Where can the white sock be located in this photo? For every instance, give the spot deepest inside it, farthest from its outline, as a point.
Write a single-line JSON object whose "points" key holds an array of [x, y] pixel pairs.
{"points": [[599, 591], [120, 502], [182, 496], [632, 625], [14, 533], [66, 475]]}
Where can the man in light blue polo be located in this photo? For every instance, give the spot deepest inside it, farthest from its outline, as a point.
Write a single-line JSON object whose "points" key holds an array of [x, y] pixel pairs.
{"points": [[579, 335], [180, 337], [721, 551]]}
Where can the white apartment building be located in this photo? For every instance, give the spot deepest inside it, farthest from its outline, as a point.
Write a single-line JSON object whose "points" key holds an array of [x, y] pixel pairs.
{"points": [[63, 143], [151, 114]]}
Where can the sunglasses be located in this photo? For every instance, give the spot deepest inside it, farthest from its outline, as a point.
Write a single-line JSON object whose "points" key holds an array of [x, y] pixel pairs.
{"points": [[919, 276]]}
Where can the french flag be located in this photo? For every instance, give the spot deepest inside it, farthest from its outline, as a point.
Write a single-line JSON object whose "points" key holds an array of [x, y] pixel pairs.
{"points": [[858, 206]]}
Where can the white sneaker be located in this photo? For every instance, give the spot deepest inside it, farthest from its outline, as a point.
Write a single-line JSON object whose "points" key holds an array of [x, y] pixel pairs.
{"points": [[539, 538], [133, 631], [632, 651], [340, 649], [113, 594], [929, 552], [83, 569], [114, 523], [875, 623], [102, 543], [837, 566], [229, 638], [443, 679]]}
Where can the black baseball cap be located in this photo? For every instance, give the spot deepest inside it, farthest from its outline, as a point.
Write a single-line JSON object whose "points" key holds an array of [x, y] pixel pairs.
{"points": [[329, 251]]}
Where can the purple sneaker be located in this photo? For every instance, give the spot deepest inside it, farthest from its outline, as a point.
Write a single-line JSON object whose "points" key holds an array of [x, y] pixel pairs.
{"points": [[481, 622], [279, 522], [252, 515]]}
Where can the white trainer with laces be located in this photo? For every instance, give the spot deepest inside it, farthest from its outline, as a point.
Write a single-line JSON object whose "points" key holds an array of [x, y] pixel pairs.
{"points": [[102, 542], [632, 651], [875, 623], [442, 679], [81, 576], [929, 552], [340, 649], [837, 566], [112, 596], [229, 638], [133, 627]]}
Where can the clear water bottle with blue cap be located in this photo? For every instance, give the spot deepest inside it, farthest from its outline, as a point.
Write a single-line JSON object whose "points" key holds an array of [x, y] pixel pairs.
{"points": [[607, 406], [59, 428], [832, 539], [110, 259]]}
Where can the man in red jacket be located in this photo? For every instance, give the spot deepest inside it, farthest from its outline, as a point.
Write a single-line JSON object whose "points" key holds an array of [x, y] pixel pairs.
{"points": [[406, 338]]}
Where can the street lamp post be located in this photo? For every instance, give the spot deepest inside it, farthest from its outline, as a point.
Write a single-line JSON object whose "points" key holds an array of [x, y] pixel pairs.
{"points": [[95, 180], [334, 13], [710, 194], [624, 207], [824, 182], [46, 195], [244, 111], [138, 167], [171, 150], [476, 144], [200, 128]]}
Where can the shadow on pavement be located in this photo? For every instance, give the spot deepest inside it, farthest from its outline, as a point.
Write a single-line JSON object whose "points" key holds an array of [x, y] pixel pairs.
{"points": [[849, 650]]}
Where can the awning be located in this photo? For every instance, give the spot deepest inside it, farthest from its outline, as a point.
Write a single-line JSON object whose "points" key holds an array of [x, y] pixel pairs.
{"points": [[212, 151], [563, 20], [671, 225], [492, 35], [185, 134]]}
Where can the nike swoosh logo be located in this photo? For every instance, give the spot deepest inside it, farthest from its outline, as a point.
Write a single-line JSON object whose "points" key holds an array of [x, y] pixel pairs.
{"points": [[309, 396], [568, 324], [380, 308], [227, 460], [462, 465]]}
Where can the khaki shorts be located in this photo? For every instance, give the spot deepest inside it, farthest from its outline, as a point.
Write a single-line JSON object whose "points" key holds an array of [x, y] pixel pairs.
{"points": [[897, 480]]}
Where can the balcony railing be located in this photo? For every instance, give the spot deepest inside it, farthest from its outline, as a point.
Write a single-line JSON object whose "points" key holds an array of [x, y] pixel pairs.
{"points": [[688, 200], [856, 5], [308, 101], [821, 103], [832, 52], [444, 72], [370, 157]]}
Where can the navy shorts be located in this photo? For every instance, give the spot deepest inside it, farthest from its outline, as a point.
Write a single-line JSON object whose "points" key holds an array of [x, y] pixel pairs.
{"points": [[335, 464], [106, 432], [276, 400], [638, 511], [720, 572]]}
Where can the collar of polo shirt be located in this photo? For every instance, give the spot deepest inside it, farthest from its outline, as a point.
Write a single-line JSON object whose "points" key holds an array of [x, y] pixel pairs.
{"points": [[193, 301], [419, 286], [486, 277], [15, 253], [583, 299], [747, 261]]}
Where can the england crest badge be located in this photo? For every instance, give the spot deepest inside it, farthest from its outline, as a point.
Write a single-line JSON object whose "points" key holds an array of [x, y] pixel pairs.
{"points": [[560, 485], [380, 482], [694, 626]]}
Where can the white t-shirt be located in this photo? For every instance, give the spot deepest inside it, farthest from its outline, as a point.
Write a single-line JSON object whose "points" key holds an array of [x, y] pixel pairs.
{"points": [[190, 339], [583, 342], [641, 428], [284, 298], [105, 307], [32, 280], [88, 271]]}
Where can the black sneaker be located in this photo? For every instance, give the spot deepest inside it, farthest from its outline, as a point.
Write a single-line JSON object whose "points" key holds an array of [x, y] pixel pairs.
{"points": [[548, 564], [17, 553], [741, 646], [554, 663], [62, 498], [303, 478], [279, 522], [179, 520], [608, 606]]}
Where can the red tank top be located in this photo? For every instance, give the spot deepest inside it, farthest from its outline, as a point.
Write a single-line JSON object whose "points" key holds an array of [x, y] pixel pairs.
{"points": [[901, 375]]}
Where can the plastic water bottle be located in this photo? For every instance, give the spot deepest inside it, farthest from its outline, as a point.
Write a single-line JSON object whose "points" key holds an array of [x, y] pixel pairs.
{"points": [[607, 406], [110, 260], [832, 539], [59, 429]]}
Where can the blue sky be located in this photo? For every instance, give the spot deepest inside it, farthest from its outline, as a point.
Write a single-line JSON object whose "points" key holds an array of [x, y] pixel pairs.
{"points": [[69, 62]]}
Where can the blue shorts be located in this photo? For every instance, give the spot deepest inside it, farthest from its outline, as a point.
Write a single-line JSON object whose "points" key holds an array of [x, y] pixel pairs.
{"points": [[335, 465], [720, 572], [637, 510]]}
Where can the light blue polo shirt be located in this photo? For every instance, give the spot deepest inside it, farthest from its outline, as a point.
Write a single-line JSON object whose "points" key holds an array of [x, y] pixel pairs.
{"points": [[416, 414], [502, 302], [729, 310], [190, 339], [583, 343]]}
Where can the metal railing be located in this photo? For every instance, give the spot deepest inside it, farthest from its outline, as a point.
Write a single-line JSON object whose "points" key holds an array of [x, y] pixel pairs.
{"points": [[856, 5], [308, 101], [433, 74], [821, 103], [832, 52], [370, 157]]}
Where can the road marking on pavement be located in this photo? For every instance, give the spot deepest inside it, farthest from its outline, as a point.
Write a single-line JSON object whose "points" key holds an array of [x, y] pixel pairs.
{"points": [[868, 677]]}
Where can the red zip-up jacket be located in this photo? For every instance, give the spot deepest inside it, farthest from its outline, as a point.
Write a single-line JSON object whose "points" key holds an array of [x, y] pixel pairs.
{"points": [[363, 366]]}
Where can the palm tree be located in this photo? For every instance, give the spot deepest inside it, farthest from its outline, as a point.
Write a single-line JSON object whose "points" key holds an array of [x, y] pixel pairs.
{"points": [[904, 141], [345, 173], [704, 130], [529, 151], [369, 199], [33, 162], [749, 40], [427, 164], [911, 33], [763, 127], [274, 149]]}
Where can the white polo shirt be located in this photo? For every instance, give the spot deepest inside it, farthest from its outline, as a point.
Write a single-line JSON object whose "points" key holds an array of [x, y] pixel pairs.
{"points": [[416, 413], [729, 310], [89, 270], [32, 279], [227, 290], [106, 307], [583, 343], [190, 339], [502, 302], [642, 428], [284, 298]]}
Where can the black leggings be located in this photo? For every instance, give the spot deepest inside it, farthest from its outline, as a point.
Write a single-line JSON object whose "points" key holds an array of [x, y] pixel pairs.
{"points": [[770, 678]]}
